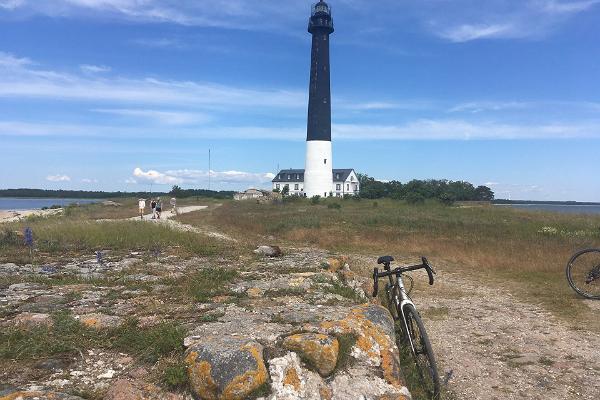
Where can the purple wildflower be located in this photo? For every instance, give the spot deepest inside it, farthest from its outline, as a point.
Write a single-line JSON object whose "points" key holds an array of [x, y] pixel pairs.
{"points": [[28, 237], [99, 257]]}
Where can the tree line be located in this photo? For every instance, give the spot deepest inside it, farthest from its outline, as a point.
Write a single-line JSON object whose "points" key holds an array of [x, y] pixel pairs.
{"points": [[86, 194], [417, 191]]}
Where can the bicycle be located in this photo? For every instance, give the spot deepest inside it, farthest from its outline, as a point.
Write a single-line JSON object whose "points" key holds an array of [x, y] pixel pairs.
{"points": [[413, 331], [583, 273]]}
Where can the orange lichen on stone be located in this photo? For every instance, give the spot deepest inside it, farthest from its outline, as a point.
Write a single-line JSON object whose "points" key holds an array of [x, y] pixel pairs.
{"points": [[320, 350], [201, 380], [336, 263], [373, 340], [243, 385], [291, 378], [392, 397], [325, 393]]}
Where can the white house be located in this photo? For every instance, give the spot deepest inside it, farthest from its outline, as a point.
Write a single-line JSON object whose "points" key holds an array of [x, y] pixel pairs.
{"points": [[343, 182]]}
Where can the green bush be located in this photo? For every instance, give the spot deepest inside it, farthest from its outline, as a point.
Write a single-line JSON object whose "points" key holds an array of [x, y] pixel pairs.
{"points": [[447, 199], [334, 206], [415, 198], [315, 199]]}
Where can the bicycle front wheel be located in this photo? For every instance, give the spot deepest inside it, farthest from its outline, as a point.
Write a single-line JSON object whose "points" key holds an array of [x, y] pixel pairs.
{"points": [[422, 352], [583, 273]]}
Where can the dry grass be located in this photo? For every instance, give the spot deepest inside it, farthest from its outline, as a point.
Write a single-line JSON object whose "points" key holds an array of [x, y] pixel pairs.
{"points": [[527, 249]]}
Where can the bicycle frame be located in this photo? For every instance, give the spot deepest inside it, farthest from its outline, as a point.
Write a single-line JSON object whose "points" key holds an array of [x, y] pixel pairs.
{"points": [[400, 303]]}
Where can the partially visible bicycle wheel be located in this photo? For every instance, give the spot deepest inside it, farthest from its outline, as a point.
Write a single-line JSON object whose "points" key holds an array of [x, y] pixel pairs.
{"points": [[583, 273], [423, 353]]}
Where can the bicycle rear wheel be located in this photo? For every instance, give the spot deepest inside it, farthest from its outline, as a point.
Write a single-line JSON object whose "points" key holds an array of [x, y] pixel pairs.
{"points": [[583, 273], [423, 353]]}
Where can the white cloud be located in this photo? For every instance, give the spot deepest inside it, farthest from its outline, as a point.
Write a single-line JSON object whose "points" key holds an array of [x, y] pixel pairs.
{"points": [[58, 178], [164, 117], [152, 176], [11, 4], [88, 180], [467, 20], [423, 129], [94, 69], [478, 107], [195, 177], [464, 130], [18, 79], [465, 33], [565, 7], [9, 61]]}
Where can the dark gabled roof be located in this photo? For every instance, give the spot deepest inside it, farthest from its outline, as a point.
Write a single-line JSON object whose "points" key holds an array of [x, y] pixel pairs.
{"points": [[344, 174], [289, 175]]}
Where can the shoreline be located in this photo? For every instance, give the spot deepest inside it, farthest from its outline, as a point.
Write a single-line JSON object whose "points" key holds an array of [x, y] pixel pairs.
{"points": [[17, 215]]}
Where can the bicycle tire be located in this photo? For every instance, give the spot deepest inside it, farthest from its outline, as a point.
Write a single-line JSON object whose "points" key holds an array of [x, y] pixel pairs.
{"points": [[423, 353], [570, 270]]}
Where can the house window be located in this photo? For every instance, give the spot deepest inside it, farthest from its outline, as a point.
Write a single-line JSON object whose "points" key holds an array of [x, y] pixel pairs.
{"points": [[297, 177], [278, 186], [287, 187], [296, 186], [325, 161], [347, 187], [338, 187], [351, 178], [337, 177]]}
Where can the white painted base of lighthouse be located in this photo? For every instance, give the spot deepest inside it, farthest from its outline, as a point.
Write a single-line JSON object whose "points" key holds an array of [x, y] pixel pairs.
{"points": [[318, 175]]}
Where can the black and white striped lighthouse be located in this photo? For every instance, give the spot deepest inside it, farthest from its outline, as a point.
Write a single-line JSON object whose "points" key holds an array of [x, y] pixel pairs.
{"points": [[318, 172]]}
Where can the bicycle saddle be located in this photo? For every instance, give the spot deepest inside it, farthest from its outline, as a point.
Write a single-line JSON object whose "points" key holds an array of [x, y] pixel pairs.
{"points": [[385, 259]]}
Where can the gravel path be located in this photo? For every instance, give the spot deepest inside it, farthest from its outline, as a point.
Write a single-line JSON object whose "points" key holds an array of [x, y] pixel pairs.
{"points": [[492, 346]]}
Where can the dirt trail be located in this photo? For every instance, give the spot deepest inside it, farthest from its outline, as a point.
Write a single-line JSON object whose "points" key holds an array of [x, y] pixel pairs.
{"points": [[166, 217], [490, 345]]}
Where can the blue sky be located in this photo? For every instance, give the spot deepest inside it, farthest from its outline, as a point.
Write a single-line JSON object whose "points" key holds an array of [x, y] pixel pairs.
{"points": [[124, 94]]}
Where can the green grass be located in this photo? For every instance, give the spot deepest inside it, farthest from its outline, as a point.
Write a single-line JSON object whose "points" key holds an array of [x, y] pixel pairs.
{"points": [[208, 283], [68, 336], [60, 235], [340, 289], [346, 342]]}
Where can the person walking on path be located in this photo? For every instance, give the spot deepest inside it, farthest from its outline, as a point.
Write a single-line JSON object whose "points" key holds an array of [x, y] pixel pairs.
{"points": [[142, 207], [158, 208], [153, 205], [174, 205]]}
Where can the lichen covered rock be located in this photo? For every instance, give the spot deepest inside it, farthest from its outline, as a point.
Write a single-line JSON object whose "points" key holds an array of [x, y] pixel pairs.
{"points": [[373, 327], [225, 368], [35, 395], [321, 351], [100, 321], [289, 381]]}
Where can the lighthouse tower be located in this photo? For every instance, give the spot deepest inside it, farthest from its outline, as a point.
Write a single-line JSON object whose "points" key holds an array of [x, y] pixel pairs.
{"points": [[318, 175]]}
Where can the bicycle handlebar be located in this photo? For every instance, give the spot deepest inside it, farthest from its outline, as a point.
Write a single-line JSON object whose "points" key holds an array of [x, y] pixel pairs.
{"points": [[424, 265]]}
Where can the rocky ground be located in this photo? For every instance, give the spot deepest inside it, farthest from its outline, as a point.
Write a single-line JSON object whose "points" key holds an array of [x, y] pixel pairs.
{"points": [[146, 325], [278, 327], [492, 345]]}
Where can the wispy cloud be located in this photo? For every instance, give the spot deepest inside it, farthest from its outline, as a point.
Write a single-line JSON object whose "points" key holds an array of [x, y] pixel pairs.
{"points": [[464, 130], [467, 32], [195, 177], [163, 117], [18, 78], [467, 20], [58, 178], [11, 4], [94, 69], [422, 129], [88, 180]]}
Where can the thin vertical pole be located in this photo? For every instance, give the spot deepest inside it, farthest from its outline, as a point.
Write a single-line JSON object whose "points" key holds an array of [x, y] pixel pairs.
{"points": [[208, 169]]}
